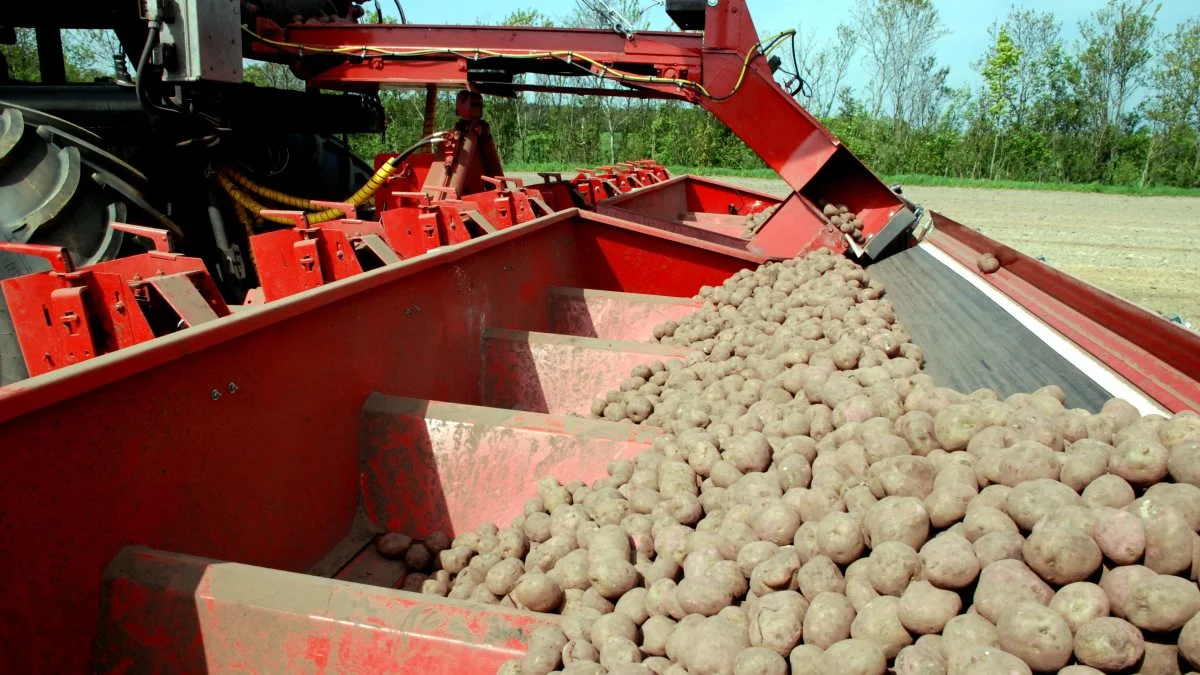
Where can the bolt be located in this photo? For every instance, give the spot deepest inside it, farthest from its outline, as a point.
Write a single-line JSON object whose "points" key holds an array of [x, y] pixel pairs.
{"points": [[120, 307], [215, 394], [232, 387]]}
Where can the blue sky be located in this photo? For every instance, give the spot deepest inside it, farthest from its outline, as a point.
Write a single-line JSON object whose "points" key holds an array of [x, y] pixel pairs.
{"points": [[968, 20]]}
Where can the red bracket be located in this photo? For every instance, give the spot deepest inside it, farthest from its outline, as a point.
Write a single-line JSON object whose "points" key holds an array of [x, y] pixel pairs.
{"points": [[161, 239], [58, 256]]}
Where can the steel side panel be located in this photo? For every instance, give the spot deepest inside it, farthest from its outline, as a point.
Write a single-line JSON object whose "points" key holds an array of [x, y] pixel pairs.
{"points": [[430, 466], [134, 447], [166, 612], [614, 316], [559, 374], [1156, 356]]}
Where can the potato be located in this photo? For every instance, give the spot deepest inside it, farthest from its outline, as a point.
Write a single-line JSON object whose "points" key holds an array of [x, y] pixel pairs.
{"points": [[776, 621], [613, 625], [879, 622], [1140, 461], [502, 578], [393, 545], [618, 651], [916, 660], [998, 546], [827, 620], [1031, 500], [1061, 555], [949, 561], [810, 660], [1109, 644], [981, 660], [756, 660], [839, 537], [898, 519], [1118, 582], [538, 593], [948, 504], [1108, 490], [714, 646], [924, 608], [984, 520], [970, 629], [1036, 634], [1079, 670], [579, 651], [1023, 461], [819, 575], [1184, 463], [955, 425], [777, 523], [917, 428], [892, 565], [902, 476], [1086, 460], [1167, 536], [1079, 603], [860, 592], [1183, 498], [855, 657], [1162, 603], [1007, 582], [1189, 641], [1120, 535]]}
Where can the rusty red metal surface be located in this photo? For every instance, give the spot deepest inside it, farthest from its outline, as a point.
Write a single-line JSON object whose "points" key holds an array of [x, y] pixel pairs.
{"points": [[614, 316], [165, 612], [430, 466], [1158, 357], [249, 452], [692, 206], [523, 370]]}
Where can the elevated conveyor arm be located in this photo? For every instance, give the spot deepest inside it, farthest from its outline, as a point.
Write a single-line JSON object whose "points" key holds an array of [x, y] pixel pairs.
{"points": [[723, 69]]}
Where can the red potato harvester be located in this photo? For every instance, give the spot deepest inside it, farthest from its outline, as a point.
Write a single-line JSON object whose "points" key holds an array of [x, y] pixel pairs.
{"points": [[196, 483]]}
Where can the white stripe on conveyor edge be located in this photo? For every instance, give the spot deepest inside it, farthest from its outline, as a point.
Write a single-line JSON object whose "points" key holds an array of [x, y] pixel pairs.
{"points": [[1085, 362]]}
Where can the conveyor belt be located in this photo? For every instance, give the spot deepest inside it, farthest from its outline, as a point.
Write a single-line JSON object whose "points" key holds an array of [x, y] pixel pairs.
{"points": [[970, 342]]}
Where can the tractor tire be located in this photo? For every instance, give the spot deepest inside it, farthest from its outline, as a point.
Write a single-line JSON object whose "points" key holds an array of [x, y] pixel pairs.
{"points": [[58, 186]]}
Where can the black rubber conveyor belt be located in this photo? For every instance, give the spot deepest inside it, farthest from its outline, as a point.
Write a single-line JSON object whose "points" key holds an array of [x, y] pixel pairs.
{"points": [[970, 342]]}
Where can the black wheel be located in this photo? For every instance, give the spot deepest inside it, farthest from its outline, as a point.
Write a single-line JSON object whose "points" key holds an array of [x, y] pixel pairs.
{"points": [[59, 186]]}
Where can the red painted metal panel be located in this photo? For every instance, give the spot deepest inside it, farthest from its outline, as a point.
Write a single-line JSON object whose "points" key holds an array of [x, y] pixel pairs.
{"points": [[429, 466], [166, 612], [237, 439], [614, 316], [524, 370], [1155, 355], [795, 228], [677, 265]]}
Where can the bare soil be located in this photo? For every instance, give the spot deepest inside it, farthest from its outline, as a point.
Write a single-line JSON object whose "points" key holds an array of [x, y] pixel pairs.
{"points": [[1144, 249]]}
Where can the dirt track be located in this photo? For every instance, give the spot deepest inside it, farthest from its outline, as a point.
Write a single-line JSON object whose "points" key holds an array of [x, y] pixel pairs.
{"points": [[1136, 247]]}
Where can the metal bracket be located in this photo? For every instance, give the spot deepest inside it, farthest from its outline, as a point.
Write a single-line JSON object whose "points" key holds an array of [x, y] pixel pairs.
{"points": [[58, 256], [68, 309], [181, 294]]}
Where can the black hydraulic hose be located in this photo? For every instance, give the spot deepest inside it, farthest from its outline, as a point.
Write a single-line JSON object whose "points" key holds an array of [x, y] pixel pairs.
{"points": [[143, 67]]}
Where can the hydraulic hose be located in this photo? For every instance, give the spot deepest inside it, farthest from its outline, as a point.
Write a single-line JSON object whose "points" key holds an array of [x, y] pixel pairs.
{"points": [[227, 176]]}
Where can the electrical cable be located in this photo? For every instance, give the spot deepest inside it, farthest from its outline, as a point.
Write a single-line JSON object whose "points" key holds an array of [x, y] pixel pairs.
{"points": [[762, 48], [143, 68]]}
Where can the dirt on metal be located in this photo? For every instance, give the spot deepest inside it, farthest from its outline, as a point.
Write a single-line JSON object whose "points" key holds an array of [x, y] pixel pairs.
{"points": [[1140, 248]]}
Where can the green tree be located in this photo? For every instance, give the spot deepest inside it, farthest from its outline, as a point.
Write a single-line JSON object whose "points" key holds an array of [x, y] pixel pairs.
{"points": [[1114, 64], [1000, 75]]}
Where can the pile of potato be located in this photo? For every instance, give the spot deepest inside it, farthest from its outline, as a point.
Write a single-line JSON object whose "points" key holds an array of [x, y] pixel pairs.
{"points": [[816, 504]]}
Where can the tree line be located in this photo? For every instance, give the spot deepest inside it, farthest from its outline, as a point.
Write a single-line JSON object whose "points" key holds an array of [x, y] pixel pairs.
{"points": [[1120, 104]]}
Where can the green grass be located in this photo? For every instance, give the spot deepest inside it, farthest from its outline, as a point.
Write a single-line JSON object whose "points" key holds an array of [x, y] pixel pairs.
{"points": [[917, 180]]}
